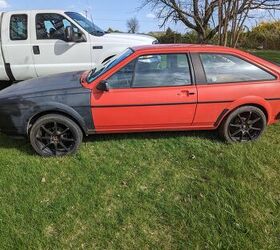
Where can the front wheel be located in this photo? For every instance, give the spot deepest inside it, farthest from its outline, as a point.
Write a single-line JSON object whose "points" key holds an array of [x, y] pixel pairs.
{"points": [[244, 124], [55, 135]]}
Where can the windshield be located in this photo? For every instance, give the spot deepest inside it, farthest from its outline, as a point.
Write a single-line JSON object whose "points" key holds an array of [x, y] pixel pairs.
{"points": [[86, 24], [104, 67]]}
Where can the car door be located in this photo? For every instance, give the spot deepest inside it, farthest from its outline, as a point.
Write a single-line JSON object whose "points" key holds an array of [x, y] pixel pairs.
{"points": [[17, 50], [152, 92], [225, 78], [52, 53]]}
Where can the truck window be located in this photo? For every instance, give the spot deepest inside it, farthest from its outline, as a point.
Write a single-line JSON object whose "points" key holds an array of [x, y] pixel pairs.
{"points": [[52, 26], [18, 27]]}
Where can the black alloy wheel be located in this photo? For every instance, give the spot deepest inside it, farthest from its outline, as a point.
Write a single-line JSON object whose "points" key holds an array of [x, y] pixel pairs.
{"points": [[55, 135], [244, 124]]}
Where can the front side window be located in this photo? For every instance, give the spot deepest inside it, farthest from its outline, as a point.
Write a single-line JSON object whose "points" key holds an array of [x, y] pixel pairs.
{"points": [[223, 68], [123, 78], [18, 27], [162, 70], [52, 26], [154, 71]]}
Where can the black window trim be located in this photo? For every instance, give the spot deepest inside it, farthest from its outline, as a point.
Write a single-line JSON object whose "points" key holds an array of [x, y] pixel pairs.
{"points": [[187, 54], [49, 13], [27, 30], [198, 60], [199, 74]]}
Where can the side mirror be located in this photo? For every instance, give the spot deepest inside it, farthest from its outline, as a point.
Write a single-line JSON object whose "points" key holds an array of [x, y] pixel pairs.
{"points": [[69, 34], [103, 86], [79, 37], [72, 36]]}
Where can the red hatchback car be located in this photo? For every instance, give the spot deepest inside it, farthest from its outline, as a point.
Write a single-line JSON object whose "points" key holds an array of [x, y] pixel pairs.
{"points": [[149, 88]]}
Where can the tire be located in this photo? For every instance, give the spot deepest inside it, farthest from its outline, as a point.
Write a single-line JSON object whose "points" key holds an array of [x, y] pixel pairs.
{"points": [[55, 135], [244, 124]]}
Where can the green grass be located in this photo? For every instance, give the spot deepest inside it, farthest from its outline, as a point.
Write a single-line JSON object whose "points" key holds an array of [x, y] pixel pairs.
{"points": [[271, 55], [182, 190]]}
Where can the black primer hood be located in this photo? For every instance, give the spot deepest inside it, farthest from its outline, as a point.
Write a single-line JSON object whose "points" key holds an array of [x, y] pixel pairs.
{"points": [[53, 83], [57, 93]]}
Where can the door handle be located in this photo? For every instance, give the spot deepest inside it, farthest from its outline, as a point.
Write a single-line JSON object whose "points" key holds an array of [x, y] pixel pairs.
{"points": [[188, 93], [97, 47], [36, 50]]}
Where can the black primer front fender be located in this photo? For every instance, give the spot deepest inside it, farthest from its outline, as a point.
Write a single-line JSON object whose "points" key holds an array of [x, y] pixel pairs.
{"points": [[53, 107]]}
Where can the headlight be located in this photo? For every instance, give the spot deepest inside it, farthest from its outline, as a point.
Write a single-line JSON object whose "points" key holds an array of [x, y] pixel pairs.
{"points": [[155, 42]]}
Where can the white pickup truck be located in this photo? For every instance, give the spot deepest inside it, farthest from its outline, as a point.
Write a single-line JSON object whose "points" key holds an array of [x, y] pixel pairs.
{"points": [[39, 43]]}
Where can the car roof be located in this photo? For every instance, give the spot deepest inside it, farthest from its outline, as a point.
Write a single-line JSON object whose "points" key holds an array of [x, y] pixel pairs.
{"points": [[170, 48], [189, 47]]}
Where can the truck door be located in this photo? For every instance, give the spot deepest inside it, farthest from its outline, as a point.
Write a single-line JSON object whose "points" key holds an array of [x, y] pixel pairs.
{"points": [[16, 47], [52, 52]]}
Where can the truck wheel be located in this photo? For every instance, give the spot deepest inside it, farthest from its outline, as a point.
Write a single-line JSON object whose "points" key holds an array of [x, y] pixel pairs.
{"points": [[55, 135], [244, 124]]}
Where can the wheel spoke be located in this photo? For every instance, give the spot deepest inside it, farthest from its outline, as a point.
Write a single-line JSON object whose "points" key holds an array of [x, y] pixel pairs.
{"points": [[249, 117], [55, 149], [256, 129], [236, 132], [65, 148], [255, 121], [250, 137], [65, 131], [235, 125], [240, 118], [43, 138], [241, 137], [46, 130], [55, 127], [46, 146], [67, 139]]}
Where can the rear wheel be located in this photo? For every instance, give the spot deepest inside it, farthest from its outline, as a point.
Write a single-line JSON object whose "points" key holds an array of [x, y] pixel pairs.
{"points": [[244, 124], [55, 135]]}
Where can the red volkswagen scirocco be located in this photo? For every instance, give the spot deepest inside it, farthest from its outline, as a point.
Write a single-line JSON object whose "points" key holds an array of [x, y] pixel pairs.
{"points": [[149, 88]]}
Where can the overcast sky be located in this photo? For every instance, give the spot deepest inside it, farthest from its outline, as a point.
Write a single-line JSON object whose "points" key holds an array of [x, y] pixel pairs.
{"points": [[105, 13]]}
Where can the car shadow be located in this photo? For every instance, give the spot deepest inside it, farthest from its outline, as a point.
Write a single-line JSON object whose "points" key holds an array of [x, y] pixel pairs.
{"points": [[208, 135], [18, 143], [23, 145]]}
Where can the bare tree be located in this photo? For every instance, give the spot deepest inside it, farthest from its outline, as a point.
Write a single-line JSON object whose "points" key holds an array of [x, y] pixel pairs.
{"points": [[133, 25], [225, 18]]}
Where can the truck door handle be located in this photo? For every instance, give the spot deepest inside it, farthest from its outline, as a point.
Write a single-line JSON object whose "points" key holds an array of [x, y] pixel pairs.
{"points": [[36, 50]]}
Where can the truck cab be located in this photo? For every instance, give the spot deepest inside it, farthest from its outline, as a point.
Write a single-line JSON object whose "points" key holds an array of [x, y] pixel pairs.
{"points": [[38, 43]]}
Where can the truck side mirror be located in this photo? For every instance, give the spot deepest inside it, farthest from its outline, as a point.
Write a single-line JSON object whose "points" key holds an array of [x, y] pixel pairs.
{"points": [[72, 36], [79, 37], [103, 86], [69, 34]]}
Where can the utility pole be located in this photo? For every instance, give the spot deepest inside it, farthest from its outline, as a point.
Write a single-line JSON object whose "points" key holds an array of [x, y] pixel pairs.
{"points": [[86, 13]]}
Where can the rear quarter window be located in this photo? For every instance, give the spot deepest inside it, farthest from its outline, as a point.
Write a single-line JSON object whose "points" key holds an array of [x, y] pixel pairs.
{"points": [[225, 68]]}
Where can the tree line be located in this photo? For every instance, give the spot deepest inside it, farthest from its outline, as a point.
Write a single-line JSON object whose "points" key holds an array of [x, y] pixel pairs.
{"points": [[265, 35], [222, 22]]}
